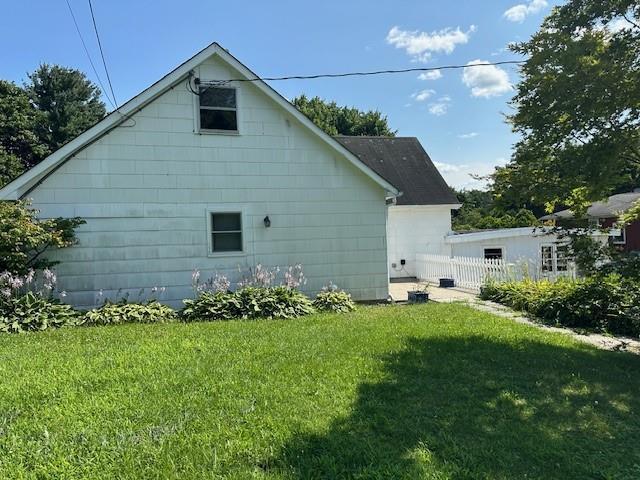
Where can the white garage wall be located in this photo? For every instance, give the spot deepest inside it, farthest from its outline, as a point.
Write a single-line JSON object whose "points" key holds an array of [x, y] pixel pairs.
{"points": [[416, 229], [145, 190], [518, 244]]}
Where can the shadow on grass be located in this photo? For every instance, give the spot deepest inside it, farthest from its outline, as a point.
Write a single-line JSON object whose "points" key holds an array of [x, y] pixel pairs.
{"points": [[477, 408]]}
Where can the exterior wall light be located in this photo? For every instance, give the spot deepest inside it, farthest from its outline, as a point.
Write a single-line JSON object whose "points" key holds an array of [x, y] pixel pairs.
{"points": [[267, 221]]}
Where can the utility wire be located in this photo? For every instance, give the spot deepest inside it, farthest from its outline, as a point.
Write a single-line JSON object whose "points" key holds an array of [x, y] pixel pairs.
{"points": [[106, 70], [86, 50], [362, 74]]}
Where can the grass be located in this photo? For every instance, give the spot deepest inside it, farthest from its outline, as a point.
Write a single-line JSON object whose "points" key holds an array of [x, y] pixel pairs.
{"points": [[433, 391]]}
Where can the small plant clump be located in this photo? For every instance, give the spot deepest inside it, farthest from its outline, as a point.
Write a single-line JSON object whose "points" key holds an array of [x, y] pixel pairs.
{"points": [[27, 303], [124, 312], [256, 296], [333, 299]]}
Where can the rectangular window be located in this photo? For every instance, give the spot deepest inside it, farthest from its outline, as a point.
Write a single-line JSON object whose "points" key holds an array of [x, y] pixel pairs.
{"points": [[493, 253], [562, 258], [226, 232], [620, 238], [218, 109], [546, 258]]}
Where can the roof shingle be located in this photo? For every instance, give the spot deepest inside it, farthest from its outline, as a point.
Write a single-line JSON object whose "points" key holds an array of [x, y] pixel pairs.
{"points": [[404, 163]]}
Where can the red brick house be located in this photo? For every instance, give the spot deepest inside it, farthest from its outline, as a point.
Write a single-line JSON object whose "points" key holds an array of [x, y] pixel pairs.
{"points": [[605, 214]]}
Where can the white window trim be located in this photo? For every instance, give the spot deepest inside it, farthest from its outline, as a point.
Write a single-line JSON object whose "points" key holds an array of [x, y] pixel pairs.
{"points": [[623, 234], [241, 209], [205, 131], [501, 247]]}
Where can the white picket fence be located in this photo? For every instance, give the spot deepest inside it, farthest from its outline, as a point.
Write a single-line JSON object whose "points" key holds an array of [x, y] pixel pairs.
{"points": [[472, 272]]}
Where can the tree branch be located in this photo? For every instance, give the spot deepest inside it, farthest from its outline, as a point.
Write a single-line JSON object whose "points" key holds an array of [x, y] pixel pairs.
{"points": [[624, 15]]}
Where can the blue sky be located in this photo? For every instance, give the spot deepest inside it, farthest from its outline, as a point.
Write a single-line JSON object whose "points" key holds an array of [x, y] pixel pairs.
{"points": [[458, 117]]}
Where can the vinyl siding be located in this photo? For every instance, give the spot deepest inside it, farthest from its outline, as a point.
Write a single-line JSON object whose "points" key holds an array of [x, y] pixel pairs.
{"points": [[145, 191]]}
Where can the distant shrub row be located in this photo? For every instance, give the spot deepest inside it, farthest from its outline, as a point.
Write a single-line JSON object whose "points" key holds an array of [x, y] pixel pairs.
{"points": [[25, 307], [606, 303]]}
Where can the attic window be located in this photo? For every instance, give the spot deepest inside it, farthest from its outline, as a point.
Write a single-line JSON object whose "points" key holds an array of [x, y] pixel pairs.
{"points": [[218, 109]]}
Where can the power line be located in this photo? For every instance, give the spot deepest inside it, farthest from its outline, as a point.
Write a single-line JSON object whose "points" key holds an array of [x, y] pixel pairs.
{"points": [[104, 63], [86, 50], [362, 74]]}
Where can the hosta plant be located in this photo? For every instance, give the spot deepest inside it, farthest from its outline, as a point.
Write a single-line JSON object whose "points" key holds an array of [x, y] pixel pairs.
{"points": [[211, 305], [333, 299], [123, 312], [31, 311]]}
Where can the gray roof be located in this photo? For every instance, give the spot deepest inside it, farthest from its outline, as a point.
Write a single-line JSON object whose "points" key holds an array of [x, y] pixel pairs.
{"points": [[609, 208], [403, 163]]}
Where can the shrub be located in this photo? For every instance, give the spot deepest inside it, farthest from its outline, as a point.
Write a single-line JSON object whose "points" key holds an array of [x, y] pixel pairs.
{"points": [[272, 302], [32, 311], [248, 302], [24, 238], [603, 303], [27, 303], [332, 299], [211, 306], [123, 312]]}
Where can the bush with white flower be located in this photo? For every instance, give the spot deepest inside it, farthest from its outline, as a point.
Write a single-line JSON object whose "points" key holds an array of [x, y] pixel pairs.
{"points": [[27, 303]]}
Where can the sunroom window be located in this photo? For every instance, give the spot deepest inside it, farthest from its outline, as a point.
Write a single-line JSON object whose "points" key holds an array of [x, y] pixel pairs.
{"points": [[218, 109]]}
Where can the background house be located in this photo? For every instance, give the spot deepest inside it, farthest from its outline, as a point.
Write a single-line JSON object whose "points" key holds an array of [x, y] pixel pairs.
{"points": [[605, 214], [419, 219]]}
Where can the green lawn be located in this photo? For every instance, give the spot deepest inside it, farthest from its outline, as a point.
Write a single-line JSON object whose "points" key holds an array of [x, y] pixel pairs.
{"points": [[433, 391]]}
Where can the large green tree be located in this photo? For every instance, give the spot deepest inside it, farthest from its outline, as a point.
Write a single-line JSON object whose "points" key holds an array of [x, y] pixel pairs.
{"points": [[337, 120], [69, 102], [55, 105], [577, 107], [20, 146]]}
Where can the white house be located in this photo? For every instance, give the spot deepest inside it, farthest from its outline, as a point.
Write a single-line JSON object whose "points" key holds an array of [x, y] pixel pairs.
{"points": [[210, 168], [419, 220]]}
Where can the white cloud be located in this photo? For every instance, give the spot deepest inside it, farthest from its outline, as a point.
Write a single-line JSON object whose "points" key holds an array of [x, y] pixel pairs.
{"points": [[440, 107], [423, 95], [448, 167], [421, 45], [519, 12], [461, 176], [486, 81], [468, 135], [430, 75]]}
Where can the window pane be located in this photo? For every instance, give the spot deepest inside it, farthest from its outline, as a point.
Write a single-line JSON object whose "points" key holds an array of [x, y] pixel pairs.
{"points": [[493, 253], [562, 260], [546, 256], [224, 222], [218, 120], [218, 97], [227, 242]]}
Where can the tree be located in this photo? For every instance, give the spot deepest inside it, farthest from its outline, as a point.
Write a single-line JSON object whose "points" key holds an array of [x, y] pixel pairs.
{"points": [[479, 211], [68, 101], [336, 120], [24, 238], [577, 107], [20, 146]]}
